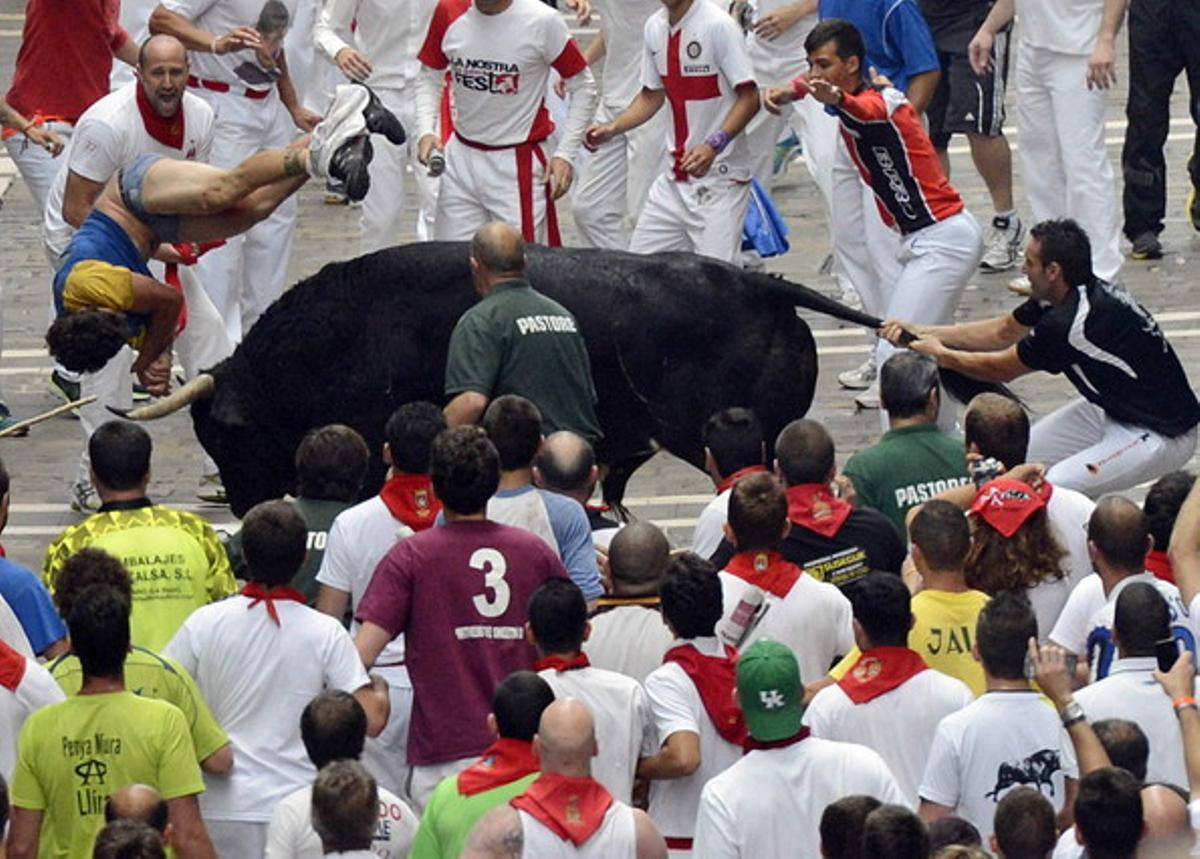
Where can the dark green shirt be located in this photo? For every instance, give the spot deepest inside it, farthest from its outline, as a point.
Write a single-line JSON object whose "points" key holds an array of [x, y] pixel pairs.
{"points": [[518, 341], [318, 516], [908, 466]]}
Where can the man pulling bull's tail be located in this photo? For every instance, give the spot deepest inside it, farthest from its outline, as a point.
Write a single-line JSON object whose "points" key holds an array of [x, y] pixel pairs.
{"points": [[104, 293]]}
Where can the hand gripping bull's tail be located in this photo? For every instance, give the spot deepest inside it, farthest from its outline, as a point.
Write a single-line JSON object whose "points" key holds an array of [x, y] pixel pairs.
{"points": [[963, 388]]}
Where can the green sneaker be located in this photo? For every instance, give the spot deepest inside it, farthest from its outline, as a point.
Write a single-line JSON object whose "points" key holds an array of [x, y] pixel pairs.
{"points": [[7, 420]]}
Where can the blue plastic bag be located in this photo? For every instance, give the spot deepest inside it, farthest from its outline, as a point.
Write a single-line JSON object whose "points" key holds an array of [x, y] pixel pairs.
{"points": [[764, 229]]}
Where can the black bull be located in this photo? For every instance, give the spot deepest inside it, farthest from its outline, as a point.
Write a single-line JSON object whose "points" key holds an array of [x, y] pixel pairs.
{"points": [[672, 338]]}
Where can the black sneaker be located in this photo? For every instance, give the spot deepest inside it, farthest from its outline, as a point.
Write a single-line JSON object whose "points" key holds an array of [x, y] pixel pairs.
{"points": [[380, 120], [140, 394], [7, 421], [349, 164], [64, 388], [1146, 246]]}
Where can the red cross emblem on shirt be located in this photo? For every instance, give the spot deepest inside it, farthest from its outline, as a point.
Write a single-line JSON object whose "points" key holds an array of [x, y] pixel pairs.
{"points": [[680, 90]]}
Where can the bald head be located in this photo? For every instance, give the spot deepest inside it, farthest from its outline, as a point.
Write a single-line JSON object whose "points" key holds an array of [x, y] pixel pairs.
{"points": [[497, 251], [1119, 533], [138, 802], [638, 556], [1168, 829], [566, 464], [161, 49], [566, 738]]}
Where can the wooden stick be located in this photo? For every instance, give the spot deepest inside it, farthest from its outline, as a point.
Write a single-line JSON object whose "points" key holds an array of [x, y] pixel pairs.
{"points": [[45, 416]]}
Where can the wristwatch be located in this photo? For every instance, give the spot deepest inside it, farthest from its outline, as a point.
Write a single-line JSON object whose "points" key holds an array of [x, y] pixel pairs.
{"points": [[1071, 714]]}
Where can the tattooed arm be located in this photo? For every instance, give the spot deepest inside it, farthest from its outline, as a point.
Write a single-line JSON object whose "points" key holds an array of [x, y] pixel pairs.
{"points": [[497, 835]]}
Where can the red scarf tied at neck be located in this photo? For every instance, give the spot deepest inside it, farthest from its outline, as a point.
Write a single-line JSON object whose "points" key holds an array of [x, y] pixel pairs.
{"points": [[257, 593], [880, 670], [728, 482], [504, 762], [166, 130], [410, 499], [766, 570], [562, 663], [814, 507], [715, 678], [571, 808]]}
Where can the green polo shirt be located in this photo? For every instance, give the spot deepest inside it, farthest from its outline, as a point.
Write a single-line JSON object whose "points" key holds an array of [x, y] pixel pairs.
{"points": [[518, 341], [908, 467], [449, 817]]}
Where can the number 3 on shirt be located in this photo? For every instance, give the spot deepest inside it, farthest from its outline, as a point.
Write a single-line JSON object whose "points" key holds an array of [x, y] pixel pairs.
{"points": [[494, 602]]}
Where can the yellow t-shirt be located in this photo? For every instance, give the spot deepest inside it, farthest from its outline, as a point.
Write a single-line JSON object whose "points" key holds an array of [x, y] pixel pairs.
{"points": [[943, 633], [152, 675], [73, 754], [175, 558]]}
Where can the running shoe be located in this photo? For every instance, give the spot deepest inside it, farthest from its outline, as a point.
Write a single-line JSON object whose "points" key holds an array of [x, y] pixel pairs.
{"points": [[84, 498], [1002, 248], [861, 377], [1146, 246]]}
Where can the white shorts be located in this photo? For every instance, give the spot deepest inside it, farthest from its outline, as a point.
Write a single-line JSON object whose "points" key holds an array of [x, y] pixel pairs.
{"points": [[703, 216]]}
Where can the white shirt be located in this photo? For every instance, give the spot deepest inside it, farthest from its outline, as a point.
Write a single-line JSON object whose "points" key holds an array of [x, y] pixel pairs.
{"points": [[615, 839], [814, 619], [13, 634], [218, 17], [769, 803], [1067, 513], [1067, 847], [622, 23], [500, 65], [1065, 26], [25, 687], [358, 540], [710, 525], [676, 706], [389, 34], [710, 55], [1000, 741], [1094, 638], [899, 724], [257, 678], [110, 134], [1131, 692], [628, 639], [291, 835], [624, 731], [785, 51]]}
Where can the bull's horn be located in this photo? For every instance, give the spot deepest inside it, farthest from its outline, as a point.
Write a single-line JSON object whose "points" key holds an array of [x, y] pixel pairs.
{"points": [[198, 388]]}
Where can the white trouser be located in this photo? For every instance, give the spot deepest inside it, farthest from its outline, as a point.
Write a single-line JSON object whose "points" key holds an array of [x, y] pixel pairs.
{"points": [[237, 839], [202, 343], [1064, 161], [386, 756], [866, 248], [703, 216], [250, 271], [428, 776], [38, 168], [383, 208], [1091, 453], [614, 180], [482, 185]]}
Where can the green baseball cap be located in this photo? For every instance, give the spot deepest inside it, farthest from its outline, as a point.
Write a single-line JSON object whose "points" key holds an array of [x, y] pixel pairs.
{"points": [[770, 691]]}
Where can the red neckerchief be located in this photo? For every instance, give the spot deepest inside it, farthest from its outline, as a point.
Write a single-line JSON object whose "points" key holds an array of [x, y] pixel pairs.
{"points": [[880, 670], [813, 506], [168, 132], [766, 570], [571, 808], [257, 593], [3, 551], [504, 762], [715, 678], [12, 667], [558, 663], [1159, 563], [728, 482], [752, 744], [410, 499]]}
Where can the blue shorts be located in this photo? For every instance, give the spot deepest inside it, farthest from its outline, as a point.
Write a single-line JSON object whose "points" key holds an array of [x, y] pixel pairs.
{"points": [[130, 179], [97, 270]]}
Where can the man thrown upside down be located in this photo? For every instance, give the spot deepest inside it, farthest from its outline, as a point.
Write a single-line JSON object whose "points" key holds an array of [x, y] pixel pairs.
{"points": [[103, 291]]}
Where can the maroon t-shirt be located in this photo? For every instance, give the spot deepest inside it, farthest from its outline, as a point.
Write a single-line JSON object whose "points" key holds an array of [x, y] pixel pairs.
{"points": [[459, 593]]}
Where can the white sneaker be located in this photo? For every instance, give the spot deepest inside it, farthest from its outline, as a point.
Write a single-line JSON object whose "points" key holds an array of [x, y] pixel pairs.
{"points": [[868, 399], [861, 377], [1003, 244], [1020, 285], [84, 498], [343, 122]]}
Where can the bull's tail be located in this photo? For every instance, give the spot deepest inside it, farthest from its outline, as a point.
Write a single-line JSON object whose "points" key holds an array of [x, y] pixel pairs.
{"points": [[963, 388]]}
